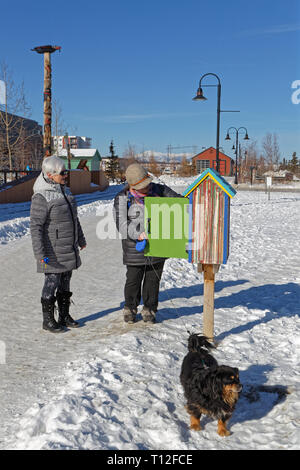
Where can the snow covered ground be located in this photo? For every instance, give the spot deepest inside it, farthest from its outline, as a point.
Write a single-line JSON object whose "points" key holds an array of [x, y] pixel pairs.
{"points": [[108, 385]]}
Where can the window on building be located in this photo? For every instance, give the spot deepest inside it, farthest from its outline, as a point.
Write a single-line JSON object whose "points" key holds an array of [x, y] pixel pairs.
{"points": [[202, 165]]}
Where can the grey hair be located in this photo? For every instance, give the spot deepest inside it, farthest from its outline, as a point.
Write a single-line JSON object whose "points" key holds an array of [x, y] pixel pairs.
{"points": [[53, 165]]}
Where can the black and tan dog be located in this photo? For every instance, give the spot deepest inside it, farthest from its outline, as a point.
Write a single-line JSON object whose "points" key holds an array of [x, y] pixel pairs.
{"points": [[209, 388]]}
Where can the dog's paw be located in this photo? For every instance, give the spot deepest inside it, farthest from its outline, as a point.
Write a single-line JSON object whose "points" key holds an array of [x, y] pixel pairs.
{"points": [[195, 424], [195, 427], [223, 432]]}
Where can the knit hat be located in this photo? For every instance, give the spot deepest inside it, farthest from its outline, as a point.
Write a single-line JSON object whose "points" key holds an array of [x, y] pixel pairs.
{"points": [[137, 176]]}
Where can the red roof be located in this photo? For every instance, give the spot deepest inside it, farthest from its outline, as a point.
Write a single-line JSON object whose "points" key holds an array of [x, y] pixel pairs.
{"points": [[211, 150]]}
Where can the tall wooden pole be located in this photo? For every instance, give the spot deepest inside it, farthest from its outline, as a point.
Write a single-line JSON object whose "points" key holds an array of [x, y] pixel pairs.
{"points": [[209, 271], [47, 51], [47, 105], [209, 301]]}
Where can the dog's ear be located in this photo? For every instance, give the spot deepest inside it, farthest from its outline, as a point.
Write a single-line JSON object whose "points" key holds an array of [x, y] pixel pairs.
{"points": [[217, 385], [193, 343]]}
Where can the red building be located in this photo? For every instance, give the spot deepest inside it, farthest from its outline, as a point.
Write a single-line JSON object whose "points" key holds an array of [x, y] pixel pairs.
{"points": [[207, 159]]}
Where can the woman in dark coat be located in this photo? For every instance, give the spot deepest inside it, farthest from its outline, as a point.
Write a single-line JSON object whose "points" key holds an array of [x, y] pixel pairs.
{"points": [[143, 272], [56, 236]]}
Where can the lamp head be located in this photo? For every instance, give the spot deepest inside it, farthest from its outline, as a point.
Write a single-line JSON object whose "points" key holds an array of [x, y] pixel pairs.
{"points": [[199, 96], [227, 136]]}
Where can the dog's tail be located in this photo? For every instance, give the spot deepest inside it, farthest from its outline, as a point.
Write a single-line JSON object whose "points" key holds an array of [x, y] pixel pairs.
{"points": [[196, 343]]}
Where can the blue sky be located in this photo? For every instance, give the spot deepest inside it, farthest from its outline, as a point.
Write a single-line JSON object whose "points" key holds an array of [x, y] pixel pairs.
{"points": [[128, 70]]}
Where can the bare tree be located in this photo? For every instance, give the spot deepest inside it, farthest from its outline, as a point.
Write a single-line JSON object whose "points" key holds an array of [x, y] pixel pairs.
{"points": [[185, 169], [271, 152], [248, 159], [276, 150], [153, 166], [13, 113], [59, 125], [267, 147], [129, 156]]}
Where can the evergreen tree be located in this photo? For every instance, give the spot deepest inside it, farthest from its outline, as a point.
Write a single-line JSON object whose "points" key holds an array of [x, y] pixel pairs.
{"points": [[293, 165], [112, 170]]}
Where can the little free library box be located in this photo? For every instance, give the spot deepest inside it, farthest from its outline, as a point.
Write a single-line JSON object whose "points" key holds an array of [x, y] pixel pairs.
{"points": [[195, 227]]}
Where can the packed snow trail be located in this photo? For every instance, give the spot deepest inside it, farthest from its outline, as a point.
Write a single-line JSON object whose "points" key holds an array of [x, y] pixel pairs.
{"points": [[108, 385]]}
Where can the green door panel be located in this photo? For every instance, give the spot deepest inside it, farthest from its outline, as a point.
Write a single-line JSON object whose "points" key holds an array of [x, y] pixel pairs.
{"points": [[167, 226]]}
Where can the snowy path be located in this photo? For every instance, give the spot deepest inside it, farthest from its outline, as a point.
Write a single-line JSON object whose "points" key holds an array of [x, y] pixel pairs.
{"points": [[112, 386]]}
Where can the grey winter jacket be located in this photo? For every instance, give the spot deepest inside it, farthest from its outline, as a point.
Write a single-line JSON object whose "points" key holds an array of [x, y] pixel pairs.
{"points": [[56, 232], [131, 256]]}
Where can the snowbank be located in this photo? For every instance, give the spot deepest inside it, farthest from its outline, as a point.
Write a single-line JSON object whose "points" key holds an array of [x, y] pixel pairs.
{"points": [[113, 386]]}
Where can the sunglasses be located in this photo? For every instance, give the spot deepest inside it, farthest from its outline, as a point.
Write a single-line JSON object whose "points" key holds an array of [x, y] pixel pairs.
{"points": [[63, 173]]}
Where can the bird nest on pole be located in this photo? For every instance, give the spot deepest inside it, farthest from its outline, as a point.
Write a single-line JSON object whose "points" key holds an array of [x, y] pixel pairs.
{"points": [[43, 49]]}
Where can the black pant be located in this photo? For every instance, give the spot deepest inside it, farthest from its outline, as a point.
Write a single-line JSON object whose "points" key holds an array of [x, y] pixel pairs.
{"points": [[143, 280], [56, 281]]}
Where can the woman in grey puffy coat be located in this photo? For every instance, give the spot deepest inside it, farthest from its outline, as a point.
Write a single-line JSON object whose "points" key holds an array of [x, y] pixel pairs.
{"points": [[56, 236]]}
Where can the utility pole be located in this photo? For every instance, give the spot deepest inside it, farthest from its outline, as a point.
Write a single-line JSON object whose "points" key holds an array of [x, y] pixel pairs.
{"points": [[47, 50]]}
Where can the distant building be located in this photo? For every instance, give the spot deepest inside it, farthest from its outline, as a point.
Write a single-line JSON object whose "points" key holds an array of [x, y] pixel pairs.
{"points": [[75, 142], [25, 140], [207, 159], [280, 176], [91, 157]]}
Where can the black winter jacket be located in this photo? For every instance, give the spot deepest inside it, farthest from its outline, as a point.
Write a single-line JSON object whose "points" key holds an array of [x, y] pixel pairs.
{"points": [[131, 256]]}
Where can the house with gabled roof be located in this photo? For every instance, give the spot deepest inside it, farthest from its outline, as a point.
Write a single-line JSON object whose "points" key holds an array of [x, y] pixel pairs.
{"points": [[92, 157], [207, 159]]}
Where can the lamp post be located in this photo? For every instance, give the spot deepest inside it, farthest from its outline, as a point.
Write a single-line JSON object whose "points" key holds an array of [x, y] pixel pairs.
{"points": [[199, 97], [236, 146]]}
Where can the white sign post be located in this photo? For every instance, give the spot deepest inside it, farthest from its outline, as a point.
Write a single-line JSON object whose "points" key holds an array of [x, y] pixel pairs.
{"points": [[269, 185]]}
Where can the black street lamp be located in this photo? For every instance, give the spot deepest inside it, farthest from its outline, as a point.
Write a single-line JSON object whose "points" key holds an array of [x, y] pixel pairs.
{"points": [[236, 146], [199, 97]]}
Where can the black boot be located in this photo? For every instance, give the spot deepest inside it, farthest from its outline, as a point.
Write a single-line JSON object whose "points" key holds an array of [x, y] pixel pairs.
{"points": [[49, 322], [63, 302]]}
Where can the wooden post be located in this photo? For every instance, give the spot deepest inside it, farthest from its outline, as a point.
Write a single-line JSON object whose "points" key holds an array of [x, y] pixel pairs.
{"points": [[47, 50], [47, 104], [209, 271]]}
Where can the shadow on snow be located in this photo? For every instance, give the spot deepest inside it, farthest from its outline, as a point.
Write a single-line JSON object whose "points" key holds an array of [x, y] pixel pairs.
{"points": [[276, 300]]}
